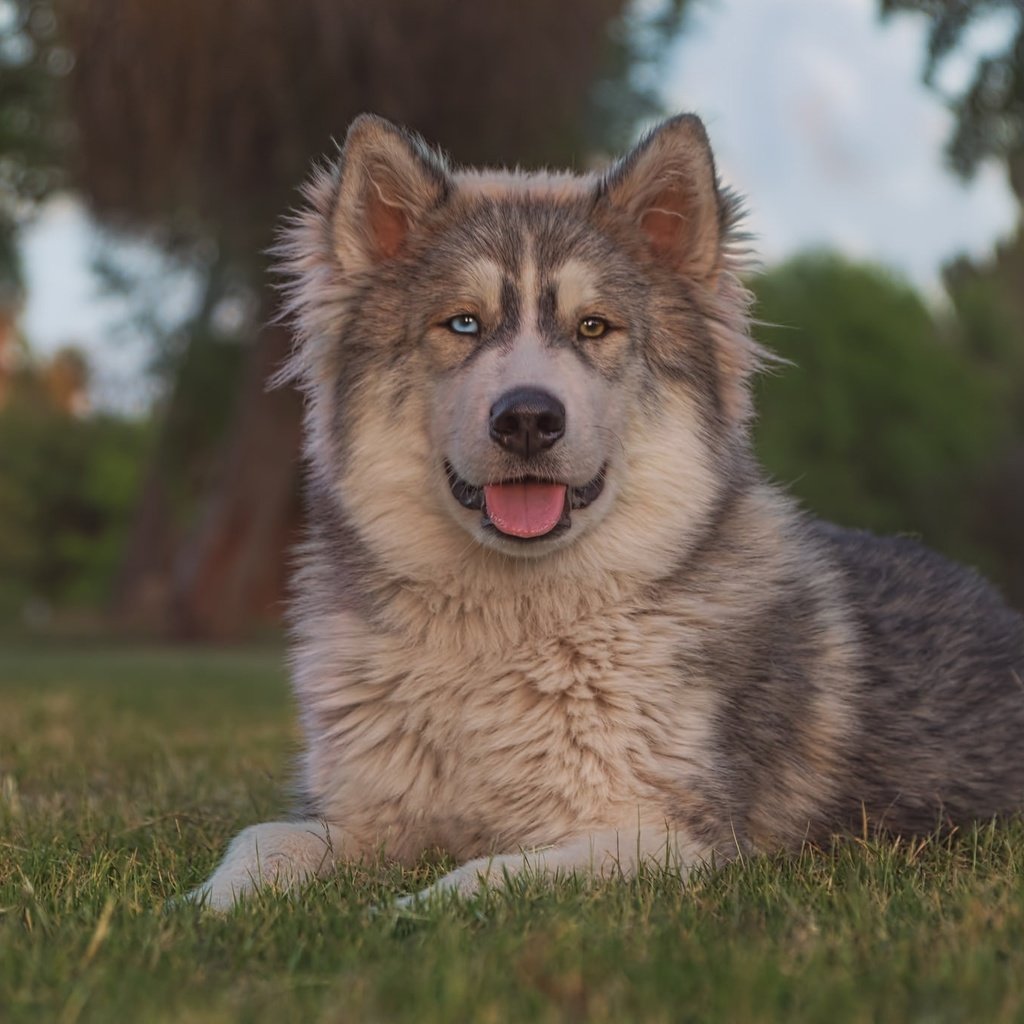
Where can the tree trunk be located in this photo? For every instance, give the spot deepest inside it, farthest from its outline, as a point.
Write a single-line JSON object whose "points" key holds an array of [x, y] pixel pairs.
{"points": [[141, 590], [141, 594], [230, 574]]}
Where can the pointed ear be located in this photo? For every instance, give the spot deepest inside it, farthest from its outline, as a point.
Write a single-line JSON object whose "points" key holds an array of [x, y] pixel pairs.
{"points": [[389, 180], [668, 186]]}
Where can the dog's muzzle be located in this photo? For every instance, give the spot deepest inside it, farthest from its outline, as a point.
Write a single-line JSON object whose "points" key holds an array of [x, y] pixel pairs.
{"points": [[527, 508]]}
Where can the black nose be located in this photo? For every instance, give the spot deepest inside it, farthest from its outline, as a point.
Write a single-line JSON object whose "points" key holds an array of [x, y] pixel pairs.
{"points": [[527, 420]]}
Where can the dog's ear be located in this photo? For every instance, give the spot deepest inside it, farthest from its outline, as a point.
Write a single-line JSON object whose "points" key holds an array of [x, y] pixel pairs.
{"points": [[389, 179], [667, 184]]}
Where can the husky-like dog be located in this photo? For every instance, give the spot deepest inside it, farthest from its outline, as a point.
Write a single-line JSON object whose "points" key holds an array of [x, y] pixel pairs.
{"points": [[550, 615]]}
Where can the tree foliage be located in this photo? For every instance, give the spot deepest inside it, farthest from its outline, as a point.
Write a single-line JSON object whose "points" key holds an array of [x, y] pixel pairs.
{"points": [[989, 301], [990, 111], [67, 488], [33, 134], [989, 294], [882, 420]]}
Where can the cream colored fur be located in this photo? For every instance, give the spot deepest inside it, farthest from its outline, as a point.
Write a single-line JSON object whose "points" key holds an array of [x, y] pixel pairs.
{"points": [[520, 713]]}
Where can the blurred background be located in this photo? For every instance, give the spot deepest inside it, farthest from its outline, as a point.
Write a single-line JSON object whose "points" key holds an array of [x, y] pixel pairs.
{"points": [[149, 482]]}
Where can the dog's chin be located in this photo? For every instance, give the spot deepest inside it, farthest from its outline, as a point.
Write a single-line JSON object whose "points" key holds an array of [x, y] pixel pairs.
{"points": [[527, 517]]}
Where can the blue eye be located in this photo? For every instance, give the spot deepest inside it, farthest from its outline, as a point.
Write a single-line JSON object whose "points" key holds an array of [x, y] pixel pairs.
{"points": [[464, 323]]}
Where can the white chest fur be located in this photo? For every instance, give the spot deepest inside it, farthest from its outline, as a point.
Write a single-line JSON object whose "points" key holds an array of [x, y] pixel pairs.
{"points": [[435, 739]]}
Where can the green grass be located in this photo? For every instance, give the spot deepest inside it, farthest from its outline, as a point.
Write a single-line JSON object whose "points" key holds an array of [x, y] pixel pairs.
{"points": [[123, 774]]}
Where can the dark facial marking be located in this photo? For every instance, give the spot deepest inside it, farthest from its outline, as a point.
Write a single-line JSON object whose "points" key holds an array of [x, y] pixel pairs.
{"points": [[510, 307], [547, 316]]}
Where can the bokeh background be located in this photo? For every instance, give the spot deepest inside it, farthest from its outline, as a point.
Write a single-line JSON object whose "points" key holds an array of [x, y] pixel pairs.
{"points": [[149, 484]]}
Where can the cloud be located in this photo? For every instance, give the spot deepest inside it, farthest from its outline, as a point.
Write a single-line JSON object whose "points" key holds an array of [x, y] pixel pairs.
{"points": [[817, 112]]}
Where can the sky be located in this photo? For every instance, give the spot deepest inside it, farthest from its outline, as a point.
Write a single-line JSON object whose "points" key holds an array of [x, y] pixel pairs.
{"points": [[816, 113]]}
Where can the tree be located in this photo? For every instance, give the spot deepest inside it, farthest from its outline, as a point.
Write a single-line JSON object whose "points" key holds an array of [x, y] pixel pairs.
{"points": [[989, 294], [66, 487], [990, 112], [882, 421], [32, 139], [210, 133], [989, 300]]}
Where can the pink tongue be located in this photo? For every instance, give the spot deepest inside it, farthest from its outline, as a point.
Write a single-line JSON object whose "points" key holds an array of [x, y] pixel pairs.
{"points": [[525, 510]]}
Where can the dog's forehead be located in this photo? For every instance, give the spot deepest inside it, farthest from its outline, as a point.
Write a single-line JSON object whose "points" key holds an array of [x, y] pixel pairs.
{"points": [[522, 229]]}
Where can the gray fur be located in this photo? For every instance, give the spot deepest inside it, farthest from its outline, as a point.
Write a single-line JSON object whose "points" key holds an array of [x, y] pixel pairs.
{"points": [[695, 667]]}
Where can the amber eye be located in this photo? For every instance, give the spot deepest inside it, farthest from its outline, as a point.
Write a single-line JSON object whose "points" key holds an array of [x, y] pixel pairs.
{"points": [[592, 327]]}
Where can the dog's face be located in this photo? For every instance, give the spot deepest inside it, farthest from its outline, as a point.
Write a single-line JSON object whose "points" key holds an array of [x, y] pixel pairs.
{"points": [[528, 356], [526, 364]]}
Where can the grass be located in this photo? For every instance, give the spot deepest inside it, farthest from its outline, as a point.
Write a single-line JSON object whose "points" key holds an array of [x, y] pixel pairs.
{"points": [[124, 773]]}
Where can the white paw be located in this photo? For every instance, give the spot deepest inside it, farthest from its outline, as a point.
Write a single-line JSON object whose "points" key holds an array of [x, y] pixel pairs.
{"points": [[467, 880], [217, 898], [232, 882], [280, 854]]}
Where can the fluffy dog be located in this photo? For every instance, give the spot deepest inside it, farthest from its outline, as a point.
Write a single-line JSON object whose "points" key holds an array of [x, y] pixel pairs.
{"points": [[550, 614]]}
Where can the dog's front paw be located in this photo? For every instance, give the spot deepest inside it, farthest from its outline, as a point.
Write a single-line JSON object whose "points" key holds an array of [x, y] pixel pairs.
{"points": [[467, 880], [281, 854], [213, 896], [464, 881], [236, 878]]}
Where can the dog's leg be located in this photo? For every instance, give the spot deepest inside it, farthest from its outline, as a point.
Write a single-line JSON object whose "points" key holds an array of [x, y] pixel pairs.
{"points": [[610, 853], [279, 853]]}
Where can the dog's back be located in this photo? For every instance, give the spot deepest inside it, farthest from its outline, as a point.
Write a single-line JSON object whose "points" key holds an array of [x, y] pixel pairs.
{"points": [[941, 702]]}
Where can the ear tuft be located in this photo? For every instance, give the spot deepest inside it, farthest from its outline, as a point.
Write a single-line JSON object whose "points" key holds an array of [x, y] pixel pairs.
{"points": [[667, 184], [389, 180]]}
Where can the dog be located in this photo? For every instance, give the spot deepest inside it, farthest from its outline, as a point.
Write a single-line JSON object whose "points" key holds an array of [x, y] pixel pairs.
{"points": [[550, 616]]}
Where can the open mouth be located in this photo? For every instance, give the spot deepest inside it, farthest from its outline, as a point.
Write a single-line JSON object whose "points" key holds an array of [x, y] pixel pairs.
{"points": [[526, 508]]}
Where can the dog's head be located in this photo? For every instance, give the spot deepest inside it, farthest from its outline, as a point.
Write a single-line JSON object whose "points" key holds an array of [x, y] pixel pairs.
{"points": [[547, 366]]}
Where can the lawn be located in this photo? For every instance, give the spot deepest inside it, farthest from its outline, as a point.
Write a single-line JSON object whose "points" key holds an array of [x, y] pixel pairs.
{"points": [[124, 773]]}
